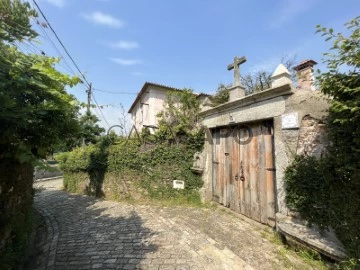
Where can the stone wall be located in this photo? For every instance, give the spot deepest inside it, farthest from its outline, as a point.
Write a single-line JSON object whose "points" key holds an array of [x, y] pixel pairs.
{"points": [[304, 134], [312, 139]]}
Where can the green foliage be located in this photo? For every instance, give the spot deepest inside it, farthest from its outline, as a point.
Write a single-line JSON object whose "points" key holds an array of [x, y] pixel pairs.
{"points": [[342, 83], [179, 120], [307, 185], [350, 264], [32, 92], [14, 20], [90, 130], [156, 168], [36, 113], [169, 157], [221, 96], [326, 191]]}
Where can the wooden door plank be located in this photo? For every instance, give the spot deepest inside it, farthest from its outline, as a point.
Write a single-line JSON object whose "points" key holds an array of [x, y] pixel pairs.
{"points": [[247, 180], [215, 166], [242, 150], [235, 171], [270, 176], [227, 171], [262, 175], [254, 165], [221, 166]]}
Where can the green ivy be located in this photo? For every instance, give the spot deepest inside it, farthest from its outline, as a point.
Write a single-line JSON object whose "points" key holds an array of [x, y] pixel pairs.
{"points": [[157, 167], [307, 190]]}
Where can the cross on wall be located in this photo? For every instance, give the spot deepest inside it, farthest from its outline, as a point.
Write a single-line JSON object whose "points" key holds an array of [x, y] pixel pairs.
{"points": [[236, 66]]}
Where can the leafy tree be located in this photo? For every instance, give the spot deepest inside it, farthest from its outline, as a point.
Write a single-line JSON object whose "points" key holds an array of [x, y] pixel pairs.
{"points": [[341, 82], [36, 112], [14, 21], [90, 130], [326, 191], [221, 96], [179, 120]]}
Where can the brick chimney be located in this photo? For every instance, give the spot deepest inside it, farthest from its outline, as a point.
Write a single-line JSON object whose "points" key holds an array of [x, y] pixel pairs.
{"points": [[305, 74]]}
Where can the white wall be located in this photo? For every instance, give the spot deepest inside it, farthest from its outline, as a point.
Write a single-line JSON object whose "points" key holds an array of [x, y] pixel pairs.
{"points": [[146, 110]]}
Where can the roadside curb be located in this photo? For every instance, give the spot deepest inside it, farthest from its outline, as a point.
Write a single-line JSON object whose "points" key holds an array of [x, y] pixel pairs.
{"points": [[48, 179]]}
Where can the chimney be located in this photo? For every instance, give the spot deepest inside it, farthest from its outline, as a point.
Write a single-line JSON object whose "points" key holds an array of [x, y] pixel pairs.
{"points": [[305, 74]]}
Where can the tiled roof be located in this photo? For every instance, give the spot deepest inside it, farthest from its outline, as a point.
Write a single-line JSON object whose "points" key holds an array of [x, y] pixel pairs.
{"points": [[304, 64], [147, 84], [143, 89]]}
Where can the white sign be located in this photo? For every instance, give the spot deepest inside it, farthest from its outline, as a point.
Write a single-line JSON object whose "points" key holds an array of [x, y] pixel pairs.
{"points": [[289, 120], [178, 184]]}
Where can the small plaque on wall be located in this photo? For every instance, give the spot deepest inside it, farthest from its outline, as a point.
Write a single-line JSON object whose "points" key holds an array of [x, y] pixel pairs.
{"points": [[179, 184], [289, 121]]}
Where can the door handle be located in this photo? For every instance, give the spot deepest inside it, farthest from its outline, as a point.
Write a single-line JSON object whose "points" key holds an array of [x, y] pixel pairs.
{"points": [[242, 178]]}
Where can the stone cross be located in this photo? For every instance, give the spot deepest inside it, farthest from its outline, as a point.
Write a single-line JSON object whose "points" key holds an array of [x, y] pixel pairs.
{"points": [[237, 62]]}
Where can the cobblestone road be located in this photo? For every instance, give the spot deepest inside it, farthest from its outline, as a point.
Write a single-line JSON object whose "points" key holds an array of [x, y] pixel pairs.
{"points": [[87, 233]]}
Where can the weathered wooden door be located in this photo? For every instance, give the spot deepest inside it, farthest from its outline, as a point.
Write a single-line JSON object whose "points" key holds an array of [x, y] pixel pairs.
{"points": [[243, 170]]}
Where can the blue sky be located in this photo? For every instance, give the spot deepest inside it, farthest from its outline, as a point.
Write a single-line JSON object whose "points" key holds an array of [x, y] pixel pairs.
{"points": [[121, 44]]}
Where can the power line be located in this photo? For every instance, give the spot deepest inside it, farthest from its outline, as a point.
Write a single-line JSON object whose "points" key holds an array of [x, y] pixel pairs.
{"points": [[115, 93], [57, 37], [72, 60], [93, 97], [55, 47]]}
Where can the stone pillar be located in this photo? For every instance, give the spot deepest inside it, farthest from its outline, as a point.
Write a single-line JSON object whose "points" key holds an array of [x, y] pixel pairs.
{"points": [[236, 92], [281, 76], [305, 74]]}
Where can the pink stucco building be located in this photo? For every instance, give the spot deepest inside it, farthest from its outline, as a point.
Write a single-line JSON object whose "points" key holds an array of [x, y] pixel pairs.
{"points": [[148, 103]]}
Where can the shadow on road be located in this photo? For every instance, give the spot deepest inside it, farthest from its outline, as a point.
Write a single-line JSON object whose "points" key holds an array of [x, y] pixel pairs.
{"points": [[107, 237]]}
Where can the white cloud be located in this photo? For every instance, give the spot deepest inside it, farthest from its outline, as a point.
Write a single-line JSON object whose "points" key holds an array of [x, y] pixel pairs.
{"points": [[124, 45], [57, 3], [98, 17], [289, 10], [126, 62]]}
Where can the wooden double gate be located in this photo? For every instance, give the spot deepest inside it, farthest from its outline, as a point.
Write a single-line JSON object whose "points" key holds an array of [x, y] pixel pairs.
{"points": [[243, 170]]}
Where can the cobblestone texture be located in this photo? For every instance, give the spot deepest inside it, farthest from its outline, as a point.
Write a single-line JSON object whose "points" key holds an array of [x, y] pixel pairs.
{"points": [[87, 233]]}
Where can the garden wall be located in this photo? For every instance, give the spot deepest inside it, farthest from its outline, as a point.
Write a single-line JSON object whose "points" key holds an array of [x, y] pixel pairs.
{"points": [[124, 171]]}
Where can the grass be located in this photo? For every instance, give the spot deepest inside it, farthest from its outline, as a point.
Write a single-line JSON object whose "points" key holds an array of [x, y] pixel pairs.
{"points": [[295, 258]]}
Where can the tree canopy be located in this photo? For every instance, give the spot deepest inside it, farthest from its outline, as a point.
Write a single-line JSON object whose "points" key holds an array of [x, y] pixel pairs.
{"points": [[36, 111], [341, 82]]}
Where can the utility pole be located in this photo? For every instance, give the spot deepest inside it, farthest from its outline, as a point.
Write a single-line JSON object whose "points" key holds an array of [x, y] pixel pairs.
{"points": [[89, 91]]}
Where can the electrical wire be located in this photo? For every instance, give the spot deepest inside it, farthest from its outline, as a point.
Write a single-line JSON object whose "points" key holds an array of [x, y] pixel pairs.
{"points": [[62, 45], [114, 93], [93, 97], [71, 58], [46, 36]]}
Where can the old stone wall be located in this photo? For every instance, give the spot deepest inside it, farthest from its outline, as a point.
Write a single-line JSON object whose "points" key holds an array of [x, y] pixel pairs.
{"points": [[312, 140], [307, 137]]}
